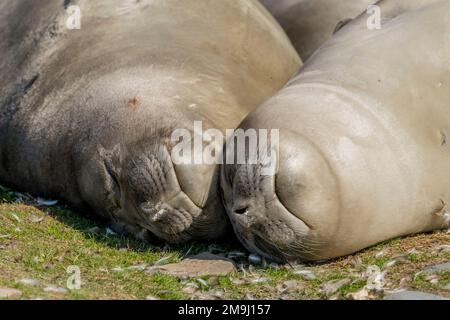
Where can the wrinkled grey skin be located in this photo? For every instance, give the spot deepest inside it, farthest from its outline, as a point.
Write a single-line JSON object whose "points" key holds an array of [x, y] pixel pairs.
{"points": [[364, 153], [309, 23], [87, 115]]}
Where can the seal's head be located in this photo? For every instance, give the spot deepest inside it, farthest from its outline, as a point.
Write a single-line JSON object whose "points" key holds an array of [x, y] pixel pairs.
{"points": [[291, 214], [139, 188]]}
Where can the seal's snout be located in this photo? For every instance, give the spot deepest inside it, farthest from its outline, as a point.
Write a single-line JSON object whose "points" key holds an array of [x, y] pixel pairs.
{"points": [[162, 206], [171, 217], [289, 215]]}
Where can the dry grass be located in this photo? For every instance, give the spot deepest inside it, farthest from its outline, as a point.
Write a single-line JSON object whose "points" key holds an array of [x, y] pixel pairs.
{"points": [[41, 243]]}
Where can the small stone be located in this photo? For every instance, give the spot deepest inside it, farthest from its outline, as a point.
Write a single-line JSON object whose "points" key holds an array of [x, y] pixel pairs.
{"points": [[380, 254], [443, 248], [110, 232], [332, 287], [190, 288], [447, 287], [46, 202], [139, 267], [236, 255], [306, 274], [362, 294], [218, 294], [8, 293], [238, 282], [290, 286], [55, 289], [437, 268], [201, 265], [36, 219], [432, 278], [413, 295], [213, 281], [405, 282], [397, 260], [29, 282], [152, 298], [117, 269], [259, 280], [255, 259], [249, 297]]}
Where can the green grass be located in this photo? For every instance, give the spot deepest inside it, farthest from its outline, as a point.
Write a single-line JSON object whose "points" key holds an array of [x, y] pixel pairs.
{"points": [[41, 243]]}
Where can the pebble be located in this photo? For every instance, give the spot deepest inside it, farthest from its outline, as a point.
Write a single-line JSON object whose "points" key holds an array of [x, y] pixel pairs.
{"points": [[290, 286], [437, 268], [46, 202], [36, 219], [8, 293], [259, 280], [190, 288], [362, 294], [29, 282], [110, 232], [255, 259], [201, 265], [139, 267], [413, 295], [55, 289], [236, 255], [306, 274]]}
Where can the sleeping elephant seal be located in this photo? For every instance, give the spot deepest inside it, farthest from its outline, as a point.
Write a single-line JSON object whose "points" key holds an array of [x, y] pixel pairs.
{"points": [[309, 23], [364, 151], [87, 115]]}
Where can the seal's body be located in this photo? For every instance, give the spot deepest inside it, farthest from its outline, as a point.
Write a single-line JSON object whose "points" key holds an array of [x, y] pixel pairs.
{"points": [[87, 115], [364, 153], [309, 23]]}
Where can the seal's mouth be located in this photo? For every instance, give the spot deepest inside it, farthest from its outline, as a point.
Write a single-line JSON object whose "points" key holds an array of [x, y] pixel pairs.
{"points": [[262, 223], [273, 232]]}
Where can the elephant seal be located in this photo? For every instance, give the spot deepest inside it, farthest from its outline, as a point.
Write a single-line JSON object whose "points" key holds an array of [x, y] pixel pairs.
{"points": [[364, 151], [309, 23], [87, 115]]}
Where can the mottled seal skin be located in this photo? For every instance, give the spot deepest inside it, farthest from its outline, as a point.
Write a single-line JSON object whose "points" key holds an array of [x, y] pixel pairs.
{"points": [[87, 115], [364, 152], [309, 23]]}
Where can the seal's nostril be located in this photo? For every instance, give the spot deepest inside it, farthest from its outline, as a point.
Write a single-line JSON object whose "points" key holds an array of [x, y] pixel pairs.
{"points": [[241, 210]]}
